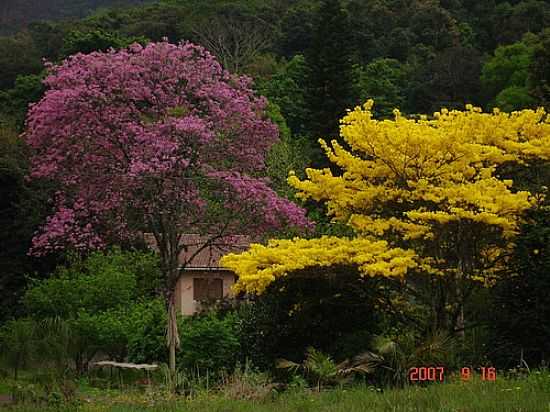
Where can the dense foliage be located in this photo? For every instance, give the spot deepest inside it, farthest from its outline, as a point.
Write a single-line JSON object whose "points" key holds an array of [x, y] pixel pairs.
{"points": [[520, 302], [106, 304], [422, 196], [129, 126]]}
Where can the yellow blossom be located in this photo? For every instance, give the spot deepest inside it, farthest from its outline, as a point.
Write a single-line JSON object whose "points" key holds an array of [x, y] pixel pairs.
{"points": [[426, 186]]}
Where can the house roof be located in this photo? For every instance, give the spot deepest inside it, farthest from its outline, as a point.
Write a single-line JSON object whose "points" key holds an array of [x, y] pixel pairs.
{"points": [[207, 258]]}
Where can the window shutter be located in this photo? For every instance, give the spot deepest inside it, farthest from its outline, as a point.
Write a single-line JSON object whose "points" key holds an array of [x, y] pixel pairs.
{"points": [[207, 289]]}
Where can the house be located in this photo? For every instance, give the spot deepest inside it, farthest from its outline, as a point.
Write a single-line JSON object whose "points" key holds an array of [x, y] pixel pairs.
{"points": [[203, 279]]}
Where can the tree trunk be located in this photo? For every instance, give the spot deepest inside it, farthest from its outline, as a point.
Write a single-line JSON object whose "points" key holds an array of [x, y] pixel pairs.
{"points": [[459, 317], [460, 322], [172, 335]]}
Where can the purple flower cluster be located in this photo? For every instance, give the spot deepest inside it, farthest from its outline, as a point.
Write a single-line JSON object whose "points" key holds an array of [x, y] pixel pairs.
{"points": [[127, 132]]}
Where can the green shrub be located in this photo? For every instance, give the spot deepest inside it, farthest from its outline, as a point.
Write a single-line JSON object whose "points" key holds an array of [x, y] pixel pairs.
{"points": [[136, 332], [294, 314], [18, 344], [90, 307], [101, 282], [145, 332], [209, 343], [521, 309]]}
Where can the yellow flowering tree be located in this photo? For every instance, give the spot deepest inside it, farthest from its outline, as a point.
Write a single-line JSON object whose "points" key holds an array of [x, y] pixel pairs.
{"points": [[423, 196]]}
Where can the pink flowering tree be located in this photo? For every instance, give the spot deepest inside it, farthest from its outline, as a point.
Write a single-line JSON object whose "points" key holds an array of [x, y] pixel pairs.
{"points": [[157, 140]]}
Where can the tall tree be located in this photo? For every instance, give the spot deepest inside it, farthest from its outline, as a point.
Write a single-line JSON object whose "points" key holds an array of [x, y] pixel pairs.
{"points": [[235, 42], [18, 55], [23, 206], [382, 80], [158, 140], [539, 71], [431, 186], [507, 70], [521, 309], [330, 74]]}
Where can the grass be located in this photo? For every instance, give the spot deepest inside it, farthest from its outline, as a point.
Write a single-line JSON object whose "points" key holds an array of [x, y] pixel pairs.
{"points": [[530, 394]]}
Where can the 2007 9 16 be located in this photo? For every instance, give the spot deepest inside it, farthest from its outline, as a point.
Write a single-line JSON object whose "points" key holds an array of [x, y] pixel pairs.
{"points": [[437, 374]]}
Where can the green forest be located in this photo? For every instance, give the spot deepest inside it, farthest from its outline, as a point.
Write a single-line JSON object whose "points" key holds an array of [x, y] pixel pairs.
{"points": [[415, 235]]}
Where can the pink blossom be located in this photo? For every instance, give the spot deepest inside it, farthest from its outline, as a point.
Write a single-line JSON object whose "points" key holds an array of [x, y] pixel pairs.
{"points": [[146, 137]]}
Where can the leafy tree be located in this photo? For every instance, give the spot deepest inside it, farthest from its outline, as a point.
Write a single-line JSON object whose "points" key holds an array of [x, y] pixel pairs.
{"points": [[330, 77], [23, 206], [96, 284], [18, 55], [337, 315], [96, 40], [298, 25], [521, 310], [134, 332], [509, 21], [456, 72], [508, 68], [446, 79], [528, 16], [286, 89], [212, 343], [99, 304], [433, 25], [145, 331], [393, 29], [286, 156], [539, 71], [430, 186], [48, 38], [185, 143], [15, 102], [382, 80], [514, 98]]}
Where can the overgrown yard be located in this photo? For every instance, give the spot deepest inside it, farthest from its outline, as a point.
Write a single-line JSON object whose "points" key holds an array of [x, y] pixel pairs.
{"points": [[531, 394]]}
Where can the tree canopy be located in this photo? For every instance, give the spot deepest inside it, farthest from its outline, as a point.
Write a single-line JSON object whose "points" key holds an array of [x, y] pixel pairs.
{"points": [[157, 139], [421, 195]]}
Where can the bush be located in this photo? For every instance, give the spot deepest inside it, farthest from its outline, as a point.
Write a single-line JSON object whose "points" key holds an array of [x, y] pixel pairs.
{"points": [[90, 307], [17, 344], [101, 282], [336, 315], [521, 307], [145, 332], [209, 343], [136, 332]]}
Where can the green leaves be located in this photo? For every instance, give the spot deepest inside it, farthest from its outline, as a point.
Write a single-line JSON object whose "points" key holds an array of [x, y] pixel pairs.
{"points": [[209, 343], [78, 41], [382, 80], [99, 283], [504, 76]]}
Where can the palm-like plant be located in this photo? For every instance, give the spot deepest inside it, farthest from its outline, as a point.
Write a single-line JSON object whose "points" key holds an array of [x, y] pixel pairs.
{"points": [[321, 369], [394, 357], [389, 358]]}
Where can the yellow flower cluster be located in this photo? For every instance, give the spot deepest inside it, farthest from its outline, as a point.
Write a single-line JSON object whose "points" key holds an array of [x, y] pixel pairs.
{"points": [[406, 179], [261, 265], [404, 175]]}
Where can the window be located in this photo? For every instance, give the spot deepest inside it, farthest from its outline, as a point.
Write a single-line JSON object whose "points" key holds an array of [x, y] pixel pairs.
{"points": [[207, 289]]}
